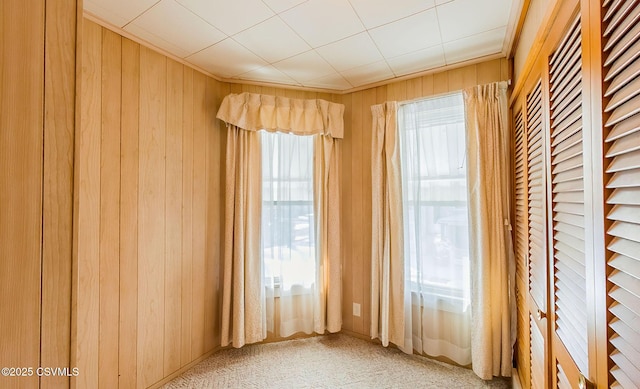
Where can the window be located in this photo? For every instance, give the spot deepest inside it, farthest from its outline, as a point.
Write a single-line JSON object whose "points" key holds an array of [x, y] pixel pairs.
{"points": [[288, 222], [434, 190]]}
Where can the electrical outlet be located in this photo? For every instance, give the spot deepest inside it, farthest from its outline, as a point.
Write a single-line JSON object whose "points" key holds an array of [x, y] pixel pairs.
{"points": [[356, 309]]}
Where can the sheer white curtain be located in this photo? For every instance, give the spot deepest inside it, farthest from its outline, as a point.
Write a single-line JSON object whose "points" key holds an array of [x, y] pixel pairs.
{"points": [[288, 231], [435, 224]]}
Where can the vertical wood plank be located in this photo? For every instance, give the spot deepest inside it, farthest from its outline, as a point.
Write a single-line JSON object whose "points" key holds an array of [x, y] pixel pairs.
{"points": [[59, 136], [348, 225], [151, 222], [414, 88], [199, 209], [129, 163], [358, 192], [213, 217], [455, 79], [488, 71], [109, 210], [173, 224], [21, 148], [427, 85], [469, 76], [187, 216], [441, 83], [88, 209], [369, 99]]}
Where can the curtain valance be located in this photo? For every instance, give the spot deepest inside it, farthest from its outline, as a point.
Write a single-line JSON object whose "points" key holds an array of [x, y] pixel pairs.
{"points": [[253, 112]]}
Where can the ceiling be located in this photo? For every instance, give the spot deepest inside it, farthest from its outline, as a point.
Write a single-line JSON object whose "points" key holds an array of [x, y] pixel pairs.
{"points": [[334, 45]]}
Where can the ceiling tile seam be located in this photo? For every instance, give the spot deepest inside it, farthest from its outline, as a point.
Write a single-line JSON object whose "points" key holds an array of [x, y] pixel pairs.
{"points": [[472, 35], [141, 13], [402, 18], [284, 10], [444, 54], [204, 20]]}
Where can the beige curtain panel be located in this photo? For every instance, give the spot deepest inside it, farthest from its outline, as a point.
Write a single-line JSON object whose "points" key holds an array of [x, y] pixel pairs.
{"points": [[254, 112], [243, 300], [388, 307], [490, 241], [244, 313]]}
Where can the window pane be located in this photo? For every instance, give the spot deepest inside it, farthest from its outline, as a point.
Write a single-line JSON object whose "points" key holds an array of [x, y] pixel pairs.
{"points": [[288, 234], [435, 197]]}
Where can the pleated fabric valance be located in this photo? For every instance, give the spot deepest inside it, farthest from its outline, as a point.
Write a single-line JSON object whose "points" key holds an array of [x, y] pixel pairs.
{"points": [[254, 112]]}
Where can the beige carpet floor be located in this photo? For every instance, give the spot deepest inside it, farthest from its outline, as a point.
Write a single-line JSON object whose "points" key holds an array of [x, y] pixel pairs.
{"points": [[332, 361]]}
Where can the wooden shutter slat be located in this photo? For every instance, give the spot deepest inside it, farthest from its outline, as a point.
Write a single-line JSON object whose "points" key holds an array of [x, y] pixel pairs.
{"points": [[566, 152], [617, 16], [625, 213], [573, 86], [578, 232], [567, 127], [622, 79], [625, 315], [624, 162], [572, 106], [625, 280], [625, 298], [537, 355], [618, 59], [624, 94], [569, 137], [573, 174], [570, 208], [568, 164], [624, 230], [566, 44], [572, 266], [625, 247], [574, 245], [624, 111], [625, 331], [568, 290], [624, 179], [576, 254], [630, 353], [625, 196], [624, 145], [575, 220], [624, 128], [622, 29], [626, 265], [568, 186], [570, 197], [626, 375], [563, 381]]}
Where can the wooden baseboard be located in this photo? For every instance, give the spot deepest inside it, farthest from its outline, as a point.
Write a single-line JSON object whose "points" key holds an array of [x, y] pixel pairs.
{"points": [[185, 368]]}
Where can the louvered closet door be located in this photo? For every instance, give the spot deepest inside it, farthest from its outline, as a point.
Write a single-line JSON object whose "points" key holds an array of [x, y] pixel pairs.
{"points": [[521, 249], [569, 295], [621, 55], [537, 276]]}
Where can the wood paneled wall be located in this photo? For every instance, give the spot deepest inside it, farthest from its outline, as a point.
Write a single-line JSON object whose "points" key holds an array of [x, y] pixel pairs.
{"points": [[149, 214], [37, 124], [356, 173]]}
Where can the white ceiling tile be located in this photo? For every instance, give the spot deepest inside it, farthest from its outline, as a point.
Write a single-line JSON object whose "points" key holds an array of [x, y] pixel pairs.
{"points": [[462, 18], [475, 46], [273, 40], [438, 2], [407, 35], [374, 13], [323, 21], [367, 74], [332, 81], [351, 52], [417, 61], [226, 59], [172, 27], [304, 67], [267, 74], [282, 5], [230, 17], [117, 12]]}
